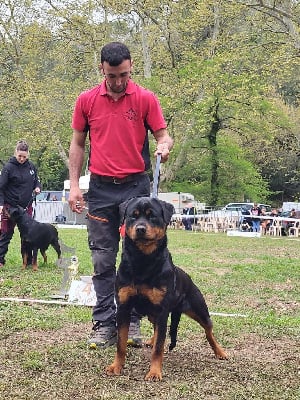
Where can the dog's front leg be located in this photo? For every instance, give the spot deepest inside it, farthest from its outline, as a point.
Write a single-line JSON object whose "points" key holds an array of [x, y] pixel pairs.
{"points": [[116, 367], [123, 321], [24, 254], [160, 330], [34, 258], [24, 260]]}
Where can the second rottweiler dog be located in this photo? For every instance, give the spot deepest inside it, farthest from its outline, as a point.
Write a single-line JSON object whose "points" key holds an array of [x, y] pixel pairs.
{"points": [[148, 281], [35, 236]]}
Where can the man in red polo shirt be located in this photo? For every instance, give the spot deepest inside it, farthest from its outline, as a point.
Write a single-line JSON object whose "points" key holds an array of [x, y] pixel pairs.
{"points": [[117, 115]]}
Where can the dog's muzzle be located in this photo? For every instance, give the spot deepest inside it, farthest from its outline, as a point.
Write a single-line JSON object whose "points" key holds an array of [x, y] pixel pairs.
{"points": [[140, 230]]}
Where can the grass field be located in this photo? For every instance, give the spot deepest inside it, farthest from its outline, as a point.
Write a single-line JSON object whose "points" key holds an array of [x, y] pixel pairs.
{"points": [[43, 352]]}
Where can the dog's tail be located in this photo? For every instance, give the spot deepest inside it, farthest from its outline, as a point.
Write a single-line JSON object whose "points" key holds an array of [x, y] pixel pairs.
{"points": [[175, 318]]}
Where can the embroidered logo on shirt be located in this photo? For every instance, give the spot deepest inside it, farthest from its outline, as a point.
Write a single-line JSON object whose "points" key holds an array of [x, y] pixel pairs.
{"points": [[131, 115]]}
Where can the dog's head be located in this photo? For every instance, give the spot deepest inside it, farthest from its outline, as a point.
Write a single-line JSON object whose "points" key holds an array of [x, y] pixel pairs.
{"points": [[146, 220], [15, 213]]}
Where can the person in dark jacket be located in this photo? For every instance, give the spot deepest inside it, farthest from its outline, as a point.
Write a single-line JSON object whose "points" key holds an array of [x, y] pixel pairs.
{"points": [[189, 221], [18, 181]]}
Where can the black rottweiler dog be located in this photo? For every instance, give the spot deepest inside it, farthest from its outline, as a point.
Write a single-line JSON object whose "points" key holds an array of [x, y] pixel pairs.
{"points": [[35, 236], [148, 281]]}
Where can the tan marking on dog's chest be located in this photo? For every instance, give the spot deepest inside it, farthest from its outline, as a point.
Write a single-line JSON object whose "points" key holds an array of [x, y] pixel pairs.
{"points": [[126, 292], [154, 295]]}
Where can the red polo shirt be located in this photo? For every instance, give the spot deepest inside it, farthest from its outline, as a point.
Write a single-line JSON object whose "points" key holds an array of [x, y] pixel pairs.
{"points": [[118, 129]]}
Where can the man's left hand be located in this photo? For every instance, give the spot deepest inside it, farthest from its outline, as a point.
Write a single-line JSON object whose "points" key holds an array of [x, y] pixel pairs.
{"points": [[163, 149]]}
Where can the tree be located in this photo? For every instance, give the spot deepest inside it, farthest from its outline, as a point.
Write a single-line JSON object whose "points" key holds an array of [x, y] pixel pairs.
{"points": [[226, 73]]}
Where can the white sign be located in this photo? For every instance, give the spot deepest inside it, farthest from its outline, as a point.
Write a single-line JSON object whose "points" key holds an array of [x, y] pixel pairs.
{"points": [[82, 292], [242, 233]]}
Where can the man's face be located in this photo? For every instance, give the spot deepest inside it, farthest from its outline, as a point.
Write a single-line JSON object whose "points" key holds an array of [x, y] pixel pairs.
{"points": [[117, 77]]}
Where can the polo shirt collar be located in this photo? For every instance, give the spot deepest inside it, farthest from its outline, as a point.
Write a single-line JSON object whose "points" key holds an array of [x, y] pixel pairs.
{"points": [[130, 89]]}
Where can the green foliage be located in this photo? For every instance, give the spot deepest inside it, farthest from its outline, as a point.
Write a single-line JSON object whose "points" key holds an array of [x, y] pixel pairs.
{"points": [[210, 63]]}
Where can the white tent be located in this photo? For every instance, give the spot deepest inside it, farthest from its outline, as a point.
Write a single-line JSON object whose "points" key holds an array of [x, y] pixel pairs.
{"points": [[83, 183]]}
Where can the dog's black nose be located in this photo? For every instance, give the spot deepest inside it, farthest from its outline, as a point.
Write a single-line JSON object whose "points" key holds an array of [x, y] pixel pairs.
{"points": [[140, 229]]}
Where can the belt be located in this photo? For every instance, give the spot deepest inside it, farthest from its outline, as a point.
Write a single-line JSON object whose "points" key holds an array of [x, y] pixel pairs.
{"points": [[117, 181]]}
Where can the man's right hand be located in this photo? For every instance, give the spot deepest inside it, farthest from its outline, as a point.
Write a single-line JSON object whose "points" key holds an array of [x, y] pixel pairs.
{"points": [[76, 201]]}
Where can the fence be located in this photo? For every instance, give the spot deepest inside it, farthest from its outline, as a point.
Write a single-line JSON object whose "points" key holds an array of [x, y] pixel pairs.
{"points": [[53, 211], [278, 226]]}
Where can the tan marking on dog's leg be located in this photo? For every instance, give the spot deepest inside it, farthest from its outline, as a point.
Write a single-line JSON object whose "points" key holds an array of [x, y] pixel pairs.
{"points": [[44, 255], [155, 372], [116, 367], [217, 349], [219, 352], [25, 258], [150, 342]]}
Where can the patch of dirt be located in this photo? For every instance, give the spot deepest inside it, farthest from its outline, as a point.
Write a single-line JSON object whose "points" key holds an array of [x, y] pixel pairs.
{"points": [[33, 339], [57, 365]]}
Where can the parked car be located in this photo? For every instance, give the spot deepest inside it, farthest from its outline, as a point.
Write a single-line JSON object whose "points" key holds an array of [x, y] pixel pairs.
{"points": [[245, 207], [237, 209]]}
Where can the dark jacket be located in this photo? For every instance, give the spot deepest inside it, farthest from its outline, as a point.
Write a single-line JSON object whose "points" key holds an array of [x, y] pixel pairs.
{"points": [[17, 182]]}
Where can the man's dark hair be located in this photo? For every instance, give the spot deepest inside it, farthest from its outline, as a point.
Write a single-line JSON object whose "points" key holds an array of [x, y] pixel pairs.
{"points": [[115, 53], [22, 146]]}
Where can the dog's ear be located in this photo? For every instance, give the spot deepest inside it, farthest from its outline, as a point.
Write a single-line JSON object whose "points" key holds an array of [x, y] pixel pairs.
{"points": [[15, 212], [168, 210], [11, 211], [122, 210]]}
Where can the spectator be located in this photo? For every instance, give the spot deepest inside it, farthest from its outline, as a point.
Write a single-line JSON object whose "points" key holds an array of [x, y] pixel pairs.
{"points": [[255, 211], [289, 224], [116, 116], [18, 181], [188, 222], [264, 223]]}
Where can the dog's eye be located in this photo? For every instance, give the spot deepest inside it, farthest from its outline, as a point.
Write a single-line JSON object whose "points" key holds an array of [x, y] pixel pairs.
{"points": [[134, 215]]}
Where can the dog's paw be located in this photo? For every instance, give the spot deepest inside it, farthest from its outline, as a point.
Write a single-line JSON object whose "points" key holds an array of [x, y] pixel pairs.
{"points": [[114, 369], [149, 342], [222, 355], [153, 375]]}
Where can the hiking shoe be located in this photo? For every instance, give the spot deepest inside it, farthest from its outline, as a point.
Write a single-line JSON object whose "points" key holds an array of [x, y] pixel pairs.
{"points": [[134, 334], [102, 336]]}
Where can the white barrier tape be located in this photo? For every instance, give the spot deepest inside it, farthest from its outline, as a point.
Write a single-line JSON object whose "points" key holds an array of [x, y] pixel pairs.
{"points": [[66, 303], [229, 216]]}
